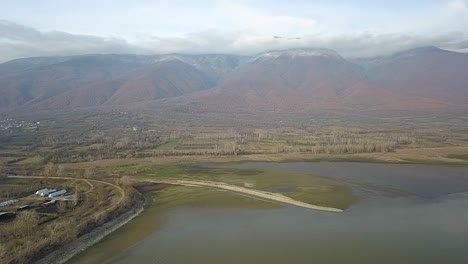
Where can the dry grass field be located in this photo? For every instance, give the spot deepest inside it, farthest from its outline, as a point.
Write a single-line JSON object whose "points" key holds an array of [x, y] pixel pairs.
{"points": [[37, 230], [100, 135]]}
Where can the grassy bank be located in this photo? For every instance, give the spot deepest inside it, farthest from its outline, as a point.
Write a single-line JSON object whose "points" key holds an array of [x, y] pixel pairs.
{"points": [[40, 229], [305, 188]]}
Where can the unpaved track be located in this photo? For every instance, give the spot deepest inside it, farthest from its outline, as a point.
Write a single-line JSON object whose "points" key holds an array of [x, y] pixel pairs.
{"points": [[89, 182], [65, 253], [219, 185], [246, 191]]}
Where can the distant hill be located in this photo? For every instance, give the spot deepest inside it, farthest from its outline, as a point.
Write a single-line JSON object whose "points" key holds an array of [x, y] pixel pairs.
{"points": [[155, 81], [308, 80], [91, 80], [287, 81], [31, 84], [426, 79]]}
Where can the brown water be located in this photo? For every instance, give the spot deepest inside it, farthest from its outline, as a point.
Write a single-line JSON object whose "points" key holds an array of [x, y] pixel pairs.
{"points": [[405, 214]]}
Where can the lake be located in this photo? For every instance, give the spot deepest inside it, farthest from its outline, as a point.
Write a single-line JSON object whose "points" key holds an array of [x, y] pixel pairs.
{"points": [[402, 214]]}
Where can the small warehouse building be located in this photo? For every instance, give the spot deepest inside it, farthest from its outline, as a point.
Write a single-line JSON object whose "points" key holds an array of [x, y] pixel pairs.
{"points": [[45, 192], [39, 192], [57, 193]]}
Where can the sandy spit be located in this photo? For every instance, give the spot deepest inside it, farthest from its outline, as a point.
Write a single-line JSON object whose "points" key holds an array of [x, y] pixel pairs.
{"points": [[252, 192]]}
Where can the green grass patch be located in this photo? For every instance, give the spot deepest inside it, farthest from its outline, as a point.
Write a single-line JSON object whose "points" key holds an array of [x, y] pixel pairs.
{"points": [[463, 156], [168, 145], [149, 170], [202, 197], [306, 188]]}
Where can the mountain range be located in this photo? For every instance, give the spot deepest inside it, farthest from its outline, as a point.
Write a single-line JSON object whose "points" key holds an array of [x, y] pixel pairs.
{"points": [[425, 79]]}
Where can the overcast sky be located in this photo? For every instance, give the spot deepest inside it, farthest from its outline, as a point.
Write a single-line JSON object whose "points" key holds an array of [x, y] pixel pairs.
{"points": [[361, 28]]}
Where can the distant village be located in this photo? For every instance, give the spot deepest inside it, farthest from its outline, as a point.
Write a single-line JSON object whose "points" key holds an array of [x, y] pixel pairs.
{"points": [[13, 124]]}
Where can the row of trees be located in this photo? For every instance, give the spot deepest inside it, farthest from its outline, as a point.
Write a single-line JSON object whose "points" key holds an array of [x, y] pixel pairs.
{"points": [[54, 170], [2, 168], [223, 141]]}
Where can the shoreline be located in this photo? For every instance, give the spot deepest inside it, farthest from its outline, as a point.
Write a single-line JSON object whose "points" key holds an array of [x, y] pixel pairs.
{"points": [[67, 252]]}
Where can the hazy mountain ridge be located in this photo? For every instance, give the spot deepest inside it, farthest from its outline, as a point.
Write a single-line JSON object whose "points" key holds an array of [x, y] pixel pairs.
{"points": [[295, 80], [56, 82], [425, 79]]}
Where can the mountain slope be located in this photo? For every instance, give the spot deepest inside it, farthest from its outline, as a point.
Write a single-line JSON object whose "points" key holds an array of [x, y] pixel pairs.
{"points": [[156, 81], [55, 81], [428, 73], [31, 86], [298, 80], [19, 65], [425, 79]]}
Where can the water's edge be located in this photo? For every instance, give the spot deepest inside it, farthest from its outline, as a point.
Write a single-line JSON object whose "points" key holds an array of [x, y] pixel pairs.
{"points": [[376, 182], [65, 253]]}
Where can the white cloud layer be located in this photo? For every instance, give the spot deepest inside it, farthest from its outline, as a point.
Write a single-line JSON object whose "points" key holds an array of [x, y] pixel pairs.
{"points": [[459, 6], [241, 27]]}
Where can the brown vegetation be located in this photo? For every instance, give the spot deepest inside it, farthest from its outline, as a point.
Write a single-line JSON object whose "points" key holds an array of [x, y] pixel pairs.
{"points": [[2, 168], [34, 233], [293, 137]]}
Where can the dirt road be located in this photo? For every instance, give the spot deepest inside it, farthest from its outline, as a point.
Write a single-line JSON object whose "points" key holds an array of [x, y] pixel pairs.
{"points": [[246, 191], [91, 185], [220, 185], [63, 254]]}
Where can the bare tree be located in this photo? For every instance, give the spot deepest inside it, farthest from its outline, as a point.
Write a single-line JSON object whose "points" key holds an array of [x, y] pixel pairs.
{"points": [[61, 170], [90, 172], [2, 168], [78, 196], [3, 250], [62, 207], [50, 169], [125, 181]]}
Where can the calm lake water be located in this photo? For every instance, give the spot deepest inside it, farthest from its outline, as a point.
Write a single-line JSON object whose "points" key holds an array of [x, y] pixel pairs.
{"points": [[404, 214]]}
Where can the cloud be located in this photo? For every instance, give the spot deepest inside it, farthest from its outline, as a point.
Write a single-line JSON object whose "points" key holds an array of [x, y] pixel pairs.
{"points": [[349, 45], [244, 17], [458, 6], [372, 45], [17, 41]]}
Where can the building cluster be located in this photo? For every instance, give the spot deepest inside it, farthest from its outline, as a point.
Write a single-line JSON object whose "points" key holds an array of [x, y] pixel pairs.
{"points": [[11, 124], [51, 192], [51, 195]]}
